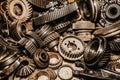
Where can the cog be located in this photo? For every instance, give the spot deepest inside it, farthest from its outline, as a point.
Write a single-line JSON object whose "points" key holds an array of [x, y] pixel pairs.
{"points": [[19, 10]]}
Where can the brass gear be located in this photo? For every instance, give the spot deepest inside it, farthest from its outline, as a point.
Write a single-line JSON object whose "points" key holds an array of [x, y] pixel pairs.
{"points": [[19, 10]]}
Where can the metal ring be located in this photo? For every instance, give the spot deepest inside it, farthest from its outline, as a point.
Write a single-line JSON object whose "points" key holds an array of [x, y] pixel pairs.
{"points": [[65, 70], [43, 75], [55, 60]]}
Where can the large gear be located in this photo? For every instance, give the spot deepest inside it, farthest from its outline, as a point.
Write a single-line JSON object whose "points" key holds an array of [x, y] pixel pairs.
{"points": [[19, 10], [71, 48]]}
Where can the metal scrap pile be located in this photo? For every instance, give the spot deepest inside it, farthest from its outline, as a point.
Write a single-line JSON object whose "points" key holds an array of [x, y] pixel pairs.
{"points": [[59, 39]]}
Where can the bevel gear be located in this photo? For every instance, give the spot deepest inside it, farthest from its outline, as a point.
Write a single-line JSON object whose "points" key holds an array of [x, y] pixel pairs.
{"points": [[71, 48], [19, 10], [27, 67]]}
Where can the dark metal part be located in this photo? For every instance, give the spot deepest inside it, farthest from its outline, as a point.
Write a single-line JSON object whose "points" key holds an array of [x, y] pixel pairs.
{"points": [[55, 14]]}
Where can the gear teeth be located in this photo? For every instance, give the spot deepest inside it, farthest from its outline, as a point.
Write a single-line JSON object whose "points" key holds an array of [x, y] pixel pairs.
{"points": [[50, 38], [115, 45], [114, 59], [68, 54], [26, 70], [24, 4]]}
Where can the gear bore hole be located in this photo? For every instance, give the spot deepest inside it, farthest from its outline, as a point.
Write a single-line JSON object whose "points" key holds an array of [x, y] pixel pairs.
{"points": [[18, 9], [43, 56], [113, 11], [71, 46], [25, 62]]}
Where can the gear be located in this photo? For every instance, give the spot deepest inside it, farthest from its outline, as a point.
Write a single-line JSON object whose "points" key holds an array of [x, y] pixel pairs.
{"points": [[41, 58], [55, 60], [50, 38], [17, 30], [57, 13], [95, 54], [62, 27], [71, 48], [27, 67], [110, 13], [19, 10]]}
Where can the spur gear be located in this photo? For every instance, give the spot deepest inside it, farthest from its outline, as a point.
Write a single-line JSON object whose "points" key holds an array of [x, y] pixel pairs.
{"points": [[19, 10]]}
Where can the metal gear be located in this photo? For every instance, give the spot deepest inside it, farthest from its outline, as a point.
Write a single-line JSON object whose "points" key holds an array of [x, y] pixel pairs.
{"points": [[19, 10], [110, 12], [26, 68], [95, 54], [71, 48], [41, 58]]}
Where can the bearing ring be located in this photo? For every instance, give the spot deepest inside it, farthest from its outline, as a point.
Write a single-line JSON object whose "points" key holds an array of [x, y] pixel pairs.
{"points": [[55, 60]]}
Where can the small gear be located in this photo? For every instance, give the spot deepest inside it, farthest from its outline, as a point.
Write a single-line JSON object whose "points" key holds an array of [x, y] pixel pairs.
{"points": [[19, 10], [71, 48], [41, 58], [50, 38], [26, 68], [62, 26]]}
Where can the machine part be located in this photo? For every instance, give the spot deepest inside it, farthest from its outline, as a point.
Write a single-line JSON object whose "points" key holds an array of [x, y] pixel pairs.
{"points": [[81, 65], [89, 9], [96, 55], [52, 73], [55, 60], [83, 25], [52, 4], [19, 10], [110, 13], [56, 14], [43, 4], [47, 36], [84, 35], [62, 27], [10, 69], [28, 44], [51, 38], [17, 30], [8, 60], [109, 31], [114, 58], [26, 68], [111, 74], [116, 67], [41, 58], [3, 45], [37, 39], [65, 70], [115, 44], [43, 75], [45, 31], [85, 76], [40, 35], [71, 48]]}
